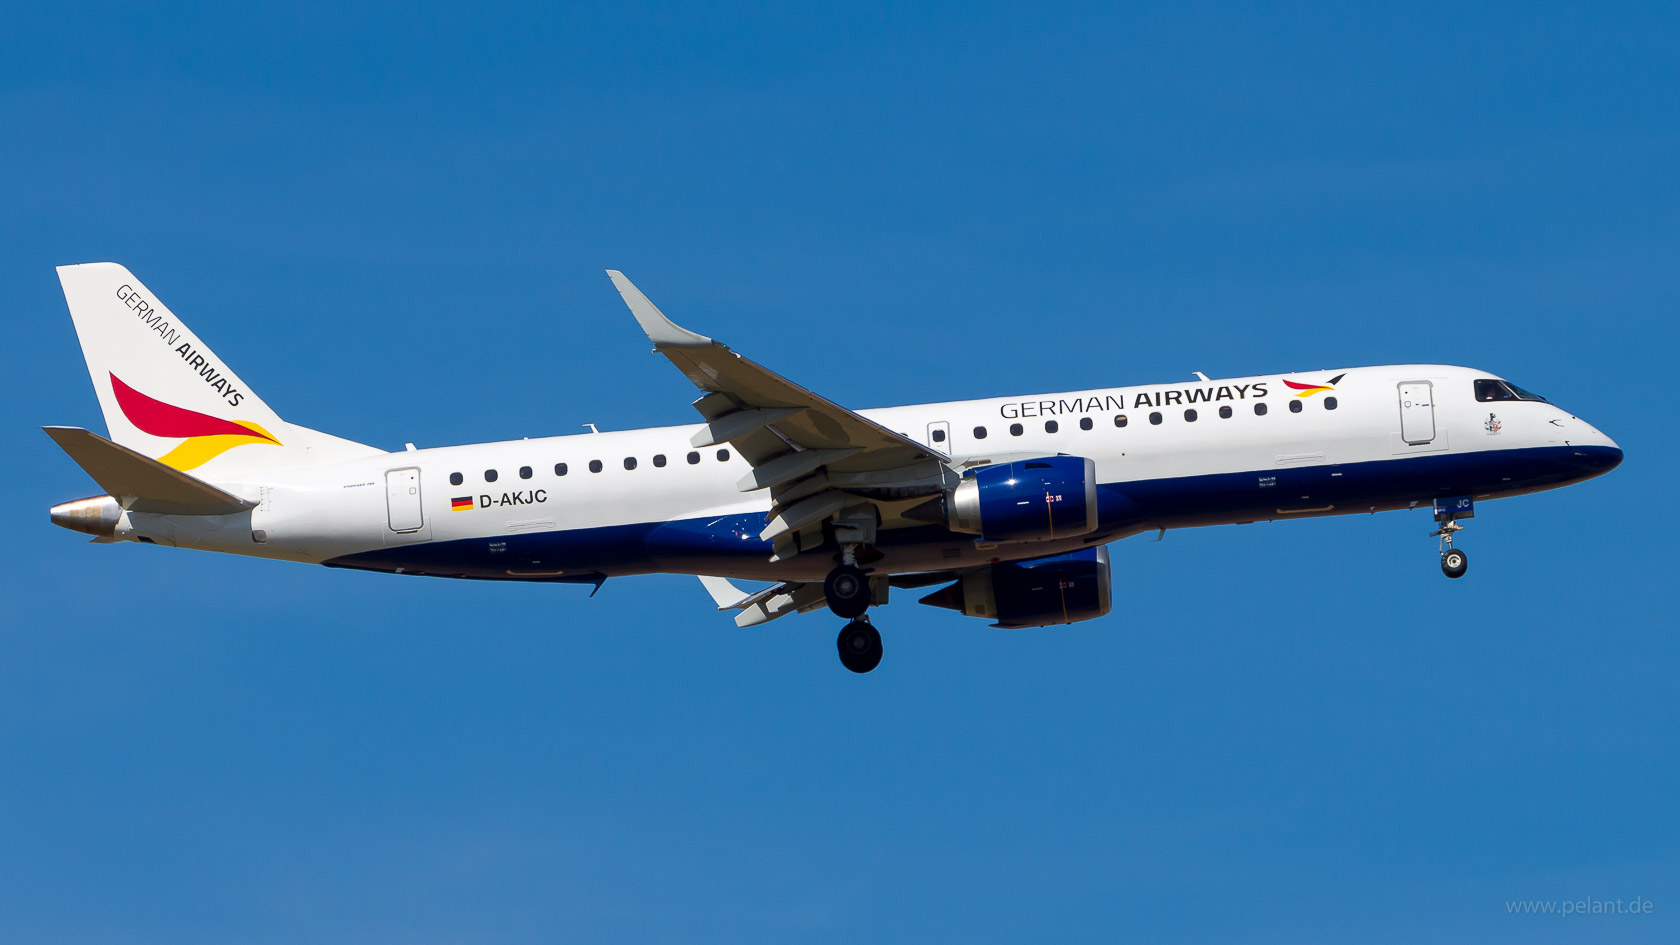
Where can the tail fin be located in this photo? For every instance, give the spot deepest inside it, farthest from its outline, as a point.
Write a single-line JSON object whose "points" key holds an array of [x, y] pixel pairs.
{"points": [[168, 397]]}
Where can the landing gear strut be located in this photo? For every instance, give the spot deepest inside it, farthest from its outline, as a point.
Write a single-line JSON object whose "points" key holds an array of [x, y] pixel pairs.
{"points": [[860, 646]]}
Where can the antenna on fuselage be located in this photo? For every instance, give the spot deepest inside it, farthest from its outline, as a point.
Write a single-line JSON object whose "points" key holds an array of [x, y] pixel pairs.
{"points": [[1200, 375], [591, 427]]}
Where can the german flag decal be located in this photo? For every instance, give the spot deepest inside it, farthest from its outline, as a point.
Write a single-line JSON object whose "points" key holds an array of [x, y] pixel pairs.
{"points": [[461, 504]]}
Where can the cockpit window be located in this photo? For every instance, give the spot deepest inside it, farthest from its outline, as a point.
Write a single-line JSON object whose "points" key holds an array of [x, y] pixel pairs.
{"points": [[1489, 390]]}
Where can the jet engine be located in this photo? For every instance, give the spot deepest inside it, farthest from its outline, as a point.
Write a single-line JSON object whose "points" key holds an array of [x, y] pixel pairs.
{"points": [[1027, 500], [1038, 592]]}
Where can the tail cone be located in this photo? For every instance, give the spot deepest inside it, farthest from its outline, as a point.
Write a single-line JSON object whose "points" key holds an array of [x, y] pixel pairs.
{"points": [[97, 516]]}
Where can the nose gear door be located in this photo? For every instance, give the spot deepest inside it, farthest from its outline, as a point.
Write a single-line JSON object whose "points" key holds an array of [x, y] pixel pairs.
{"points": [[1417, 412]]}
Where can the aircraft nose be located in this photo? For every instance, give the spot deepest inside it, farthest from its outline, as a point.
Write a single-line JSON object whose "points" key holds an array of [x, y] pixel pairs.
{"points": [[1597, 453]]}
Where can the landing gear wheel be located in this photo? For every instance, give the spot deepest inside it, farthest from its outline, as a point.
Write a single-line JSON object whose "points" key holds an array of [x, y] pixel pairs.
{"points": [[1454, 563], [847, 590], [860, 646]]}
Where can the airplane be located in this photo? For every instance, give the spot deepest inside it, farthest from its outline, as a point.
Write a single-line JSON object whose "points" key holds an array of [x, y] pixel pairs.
{"points": [[1005, 505]]}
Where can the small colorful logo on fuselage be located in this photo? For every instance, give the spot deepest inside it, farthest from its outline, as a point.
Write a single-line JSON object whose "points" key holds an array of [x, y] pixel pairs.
{"points": [[461, 504], [202, 436], [1307, 390]]}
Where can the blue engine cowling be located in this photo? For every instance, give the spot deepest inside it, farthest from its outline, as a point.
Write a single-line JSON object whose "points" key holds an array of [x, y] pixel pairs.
{"points": [[1039, 592], [1028, 500]]}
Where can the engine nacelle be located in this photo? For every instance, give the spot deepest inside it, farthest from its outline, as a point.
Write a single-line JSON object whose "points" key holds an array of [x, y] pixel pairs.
{"points": [[1039, 592], [1029, 500]]}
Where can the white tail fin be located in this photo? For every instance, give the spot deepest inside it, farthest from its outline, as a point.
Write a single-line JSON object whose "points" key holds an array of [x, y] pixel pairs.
{"points": [[167, 396]]}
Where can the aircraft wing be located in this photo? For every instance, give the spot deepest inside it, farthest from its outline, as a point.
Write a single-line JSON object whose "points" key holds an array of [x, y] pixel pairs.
{"points": [[811, 453]]}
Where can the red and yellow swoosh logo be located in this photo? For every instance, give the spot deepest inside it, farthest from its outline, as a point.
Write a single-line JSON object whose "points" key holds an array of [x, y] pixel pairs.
{"points": [[1307, 390], [203, 437]]}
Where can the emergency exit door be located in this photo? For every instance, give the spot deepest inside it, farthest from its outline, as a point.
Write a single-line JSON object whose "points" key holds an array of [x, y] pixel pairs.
{"points": [[402, 499], [1417, 412], [939, 436]]}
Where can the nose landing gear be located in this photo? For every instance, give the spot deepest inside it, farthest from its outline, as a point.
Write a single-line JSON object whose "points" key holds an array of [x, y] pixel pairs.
{"points": [[1447, 511], [1454, 563]]}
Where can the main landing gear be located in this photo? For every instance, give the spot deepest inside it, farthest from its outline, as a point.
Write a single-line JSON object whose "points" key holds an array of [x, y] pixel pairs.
{"points": [[860, 646], [847, 591], [848, 594]]}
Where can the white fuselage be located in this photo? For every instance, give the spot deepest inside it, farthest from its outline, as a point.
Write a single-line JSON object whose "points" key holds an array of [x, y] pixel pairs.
{"points": [[672, 512]]}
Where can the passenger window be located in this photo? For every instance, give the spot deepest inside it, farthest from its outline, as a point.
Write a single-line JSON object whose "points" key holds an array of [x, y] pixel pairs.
{"points": [[524, 472], [659, 460], [723, 456], [1225, 413], [629, 462], [939, 436], [1015, 429], [1190, 415], [693, 458], [1294, 406], [1329, 403], [456, 479], [1260, 409], [489, 475], [559, 469], [1155, 418], [1119, 419], [1051, 426], [594, 465], [979, 433]]}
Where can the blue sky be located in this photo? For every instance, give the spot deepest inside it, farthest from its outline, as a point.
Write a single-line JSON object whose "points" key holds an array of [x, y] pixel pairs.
{"points": [[393, 221]]}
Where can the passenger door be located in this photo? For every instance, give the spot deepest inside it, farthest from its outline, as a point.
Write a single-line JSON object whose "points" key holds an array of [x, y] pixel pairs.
{"points": [[402, 500], [1417, 412]]}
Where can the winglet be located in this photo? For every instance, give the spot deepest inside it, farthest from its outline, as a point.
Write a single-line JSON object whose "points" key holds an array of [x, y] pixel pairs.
{"points": [[725, 594], [660, 330]]}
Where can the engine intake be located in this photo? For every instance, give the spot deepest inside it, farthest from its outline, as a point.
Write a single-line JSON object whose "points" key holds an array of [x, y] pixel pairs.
{"points": [[1039, 592], [1027, 500]]}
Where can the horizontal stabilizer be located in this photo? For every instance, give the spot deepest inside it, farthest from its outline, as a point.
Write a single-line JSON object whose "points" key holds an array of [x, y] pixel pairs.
{"points": [[140, 483]]}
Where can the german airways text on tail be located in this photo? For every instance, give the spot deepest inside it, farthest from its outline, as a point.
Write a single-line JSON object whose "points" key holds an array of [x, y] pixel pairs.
{"points": [[1002, 507]]}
